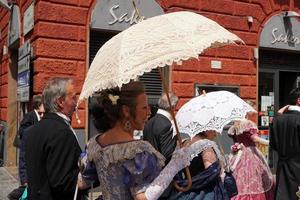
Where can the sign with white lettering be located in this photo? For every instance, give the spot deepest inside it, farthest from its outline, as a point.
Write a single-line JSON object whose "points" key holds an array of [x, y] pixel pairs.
{"points": [[133, 18], [118, 15], [281, 33], [284, 37]]}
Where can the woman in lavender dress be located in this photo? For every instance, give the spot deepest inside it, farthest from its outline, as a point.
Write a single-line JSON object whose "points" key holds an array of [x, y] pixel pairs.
{"points": [[127, 168]]}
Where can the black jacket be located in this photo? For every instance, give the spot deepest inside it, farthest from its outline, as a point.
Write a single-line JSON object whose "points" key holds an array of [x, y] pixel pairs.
{"points": [[285, 139], [52, 153], [28, 121], [159, 133]]}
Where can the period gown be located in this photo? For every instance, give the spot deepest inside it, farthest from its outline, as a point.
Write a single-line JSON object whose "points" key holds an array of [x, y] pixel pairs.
{"points": [[250, 168], [124, 169], [206, 182]]}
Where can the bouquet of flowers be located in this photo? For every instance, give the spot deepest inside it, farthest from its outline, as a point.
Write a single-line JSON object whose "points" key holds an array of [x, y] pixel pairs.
{"points": [[236, 147]]}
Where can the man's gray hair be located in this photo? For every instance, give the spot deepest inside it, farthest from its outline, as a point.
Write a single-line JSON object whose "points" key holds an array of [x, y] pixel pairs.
{"points": [[163, 101], [55, 89]]}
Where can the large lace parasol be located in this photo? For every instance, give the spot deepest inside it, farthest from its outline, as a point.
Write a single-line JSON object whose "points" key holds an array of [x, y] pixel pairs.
{"points": [[155, 42], [211, 111]]}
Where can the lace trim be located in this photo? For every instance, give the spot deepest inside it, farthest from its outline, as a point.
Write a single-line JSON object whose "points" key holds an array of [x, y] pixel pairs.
{"points": [[201, 145], [211, 113], [174, 37], [119, 152], [242, 126]]}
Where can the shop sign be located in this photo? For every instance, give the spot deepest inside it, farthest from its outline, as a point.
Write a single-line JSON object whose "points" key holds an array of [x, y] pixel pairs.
{"points": [[281, 33], [133, 18], [117, 15], [28, 19], [285, 38]]}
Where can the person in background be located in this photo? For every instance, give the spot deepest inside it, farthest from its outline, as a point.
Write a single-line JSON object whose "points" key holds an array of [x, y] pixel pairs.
{"points": [[250, 169], [52, 149], [206, 169], [158, 131], [127, 168], [285, 140], [30, 119]]}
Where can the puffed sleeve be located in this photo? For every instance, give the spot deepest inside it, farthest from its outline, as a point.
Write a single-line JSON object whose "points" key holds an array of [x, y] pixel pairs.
{"points": [[88, 170], [140, 171]]}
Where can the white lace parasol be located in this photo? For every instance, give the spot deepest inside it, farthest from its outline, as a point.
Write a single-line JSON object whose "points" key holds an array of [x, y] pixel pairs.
{"points": [[155, 42], [211, 111]]}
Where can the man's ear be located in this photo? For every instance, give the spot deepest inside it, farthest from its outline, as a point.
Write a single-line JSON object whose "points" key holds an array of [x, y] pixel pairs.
{"points": [[59, 102]]}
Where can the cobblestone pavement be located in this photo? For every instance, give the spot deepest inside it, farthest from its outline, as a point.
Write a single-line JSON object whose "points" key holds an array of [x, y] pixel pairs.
{"points": [[7, 183]]}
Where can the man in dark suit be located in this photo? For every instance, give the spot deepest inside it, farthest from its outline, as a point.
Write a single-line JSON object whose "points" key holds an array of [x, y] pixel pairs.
{"points": [[28, 120], [158, 131], [285, 139], [52, 149]]}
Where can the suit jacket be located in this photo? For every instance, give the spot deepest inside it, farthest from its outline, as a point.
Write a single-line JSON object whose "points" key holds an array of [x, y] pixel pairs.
{"points": [[52, 153], [159, 133], [28, 120], [285, 139]]}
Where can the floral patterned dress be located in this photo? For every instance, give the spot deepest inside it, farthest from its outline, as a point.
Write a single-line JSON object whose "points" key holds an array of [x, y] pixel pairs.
{"points": [[251, 171], [124, 169]]}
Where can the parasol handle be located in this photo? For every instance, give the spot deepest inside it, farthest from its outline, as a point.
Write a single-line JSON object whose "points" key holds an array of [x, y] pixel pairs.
{"points": [[136, 9], [189, 178], [188, 174]]}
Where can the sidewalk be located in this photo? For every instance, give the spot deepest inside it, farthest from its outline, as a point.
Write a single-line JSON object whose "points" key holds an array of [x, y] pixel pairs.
{"points": [[7, 181]]}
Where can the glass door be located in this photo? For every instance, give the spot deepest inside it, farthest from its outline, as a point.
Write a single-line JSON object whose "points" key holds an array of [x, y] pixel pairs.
{"points": [[267, 105]]}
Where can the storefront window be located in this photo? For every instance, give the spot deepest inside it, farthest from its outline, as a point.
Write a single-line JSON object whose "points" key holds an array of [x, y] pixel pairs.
{"points": [[266, 99]]}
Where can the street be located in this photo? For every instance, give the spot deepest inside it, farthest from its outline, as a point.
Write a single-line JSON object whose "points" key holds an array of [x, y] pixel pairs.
{"points": [[7, 182]]}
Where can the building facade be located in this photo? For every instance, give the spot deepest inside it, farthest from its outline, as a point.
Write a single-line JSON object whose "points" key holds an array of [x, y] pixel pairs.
{"points": [[43, 39]]}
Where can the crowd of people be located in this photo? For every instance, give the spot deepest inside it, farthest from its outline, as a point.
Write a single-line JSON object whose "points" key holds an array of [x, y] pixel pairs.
{"points": [[126, 168]]}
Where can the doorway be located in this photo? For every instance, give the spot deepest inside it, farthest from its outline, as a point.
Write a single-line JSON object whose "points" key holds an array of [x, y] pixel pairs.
{"points": [[288, 80], [279, 73]]}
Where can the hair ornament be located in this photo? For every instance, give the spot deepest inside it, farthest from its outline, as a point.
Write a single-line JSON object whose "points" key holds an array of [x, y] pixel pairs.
{"points": [[113, 98]]}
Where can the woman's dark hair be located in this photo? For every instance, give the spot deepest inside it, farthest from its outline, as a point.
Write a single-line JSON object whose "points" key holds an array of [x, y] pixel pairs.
{"points": [[109, 108]]}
